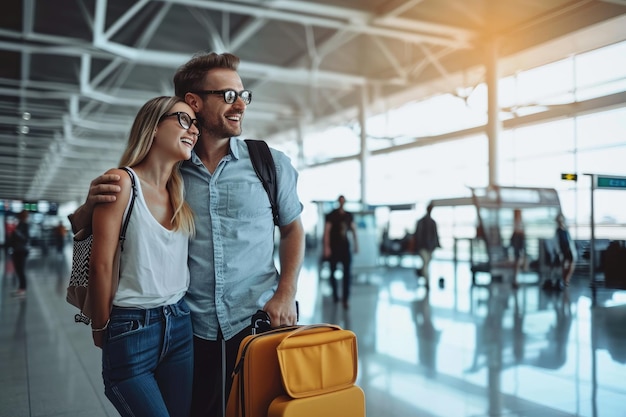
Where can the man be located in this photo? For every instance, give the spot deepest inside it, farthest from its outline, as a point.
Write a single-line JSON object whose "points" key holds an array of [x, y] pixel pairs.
{"points": [[19, 241], [337, 247], [59, 236], [231, 261], [426, 241], [567, 251]]}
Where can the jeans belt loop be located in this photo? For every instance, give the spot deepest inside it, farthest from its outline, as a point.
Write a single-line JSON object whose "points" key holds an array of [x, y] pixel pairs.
{"points": [[147, 318]]}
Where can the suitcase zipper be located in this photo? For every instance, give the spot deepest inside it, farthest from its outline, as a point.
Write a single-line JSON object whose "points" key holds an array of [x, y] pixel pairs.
{"points": [[239, 365]]}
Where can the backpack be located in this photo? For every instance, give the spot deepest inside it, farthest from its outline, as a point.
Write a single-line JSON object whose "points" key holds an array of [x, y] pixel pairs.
{"points": [[263, 164]]}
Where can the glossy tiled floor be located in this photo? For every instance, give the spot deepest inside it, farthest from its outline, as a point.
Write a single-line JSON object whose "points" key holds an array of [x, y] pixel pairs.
{"points": [[456, 351]]}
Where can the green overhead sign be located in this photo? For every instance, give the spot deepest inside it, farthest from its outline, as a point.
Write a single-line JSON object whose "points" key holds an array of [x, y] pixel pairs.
{"points": [[611, 182]]}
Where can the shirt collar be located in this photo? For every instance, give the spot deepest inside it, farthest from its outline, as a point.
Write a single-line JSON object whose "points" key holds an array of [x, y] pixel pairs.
{"points": [[234, 151]]}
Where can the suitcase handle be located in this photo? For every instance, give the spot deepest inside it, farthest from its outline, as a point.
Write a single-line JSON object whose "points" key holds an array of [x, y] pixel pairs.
{"points": [[304, 328]]}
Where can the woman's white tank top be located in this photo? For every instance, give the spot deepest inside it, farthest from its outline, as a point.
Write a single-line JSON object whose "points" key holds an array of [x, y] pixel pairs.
{"points": [[153, 266]]}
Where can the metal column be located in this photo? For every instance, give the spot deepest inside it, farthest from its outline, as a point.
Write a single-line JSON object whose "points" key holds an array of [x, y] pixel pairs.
{"points": [[364, 151], [494, 124]]}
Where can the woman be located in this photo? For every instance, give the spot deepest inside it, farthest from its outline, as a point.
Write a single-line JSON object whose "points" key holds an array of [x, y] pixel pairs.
{"points": [[144, 329]]}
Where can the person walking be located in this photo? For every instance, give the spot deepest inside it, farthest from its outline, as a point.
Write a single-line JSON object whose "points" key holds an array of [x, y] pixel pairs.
{"points": [[426, 241], [19, 242], [144, 328], [231, 257], [566, 250], [518, 244], [338, 224], [59, 236]]}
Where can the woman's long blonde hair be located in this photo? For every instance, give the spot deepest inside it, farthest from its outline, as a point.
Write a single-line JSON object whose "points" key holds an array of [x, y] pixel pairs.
{"points": [[139, 143]]}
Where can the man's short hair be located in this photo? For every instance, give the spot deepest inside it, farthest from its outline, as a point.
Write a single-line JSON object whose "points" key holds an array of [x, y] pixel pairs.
{"points": [[190, 76]]}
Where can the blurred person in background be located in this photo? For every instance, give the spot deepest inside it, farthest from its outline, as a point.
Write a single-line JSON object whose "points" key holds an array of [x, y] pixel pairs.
{"points": [[426, 241], [19, 242], [339, 223]]}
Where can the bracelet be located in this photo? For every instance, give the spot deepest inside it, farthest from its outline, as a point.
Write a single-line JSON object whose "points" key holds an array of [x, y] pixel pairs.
{"points": [[103, 328]]}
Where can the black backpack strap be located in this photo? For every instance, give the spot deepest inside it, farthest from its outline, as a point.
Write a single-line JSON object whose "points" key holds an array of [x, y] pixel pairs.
{"points": [[130, 207], [263, 164]]}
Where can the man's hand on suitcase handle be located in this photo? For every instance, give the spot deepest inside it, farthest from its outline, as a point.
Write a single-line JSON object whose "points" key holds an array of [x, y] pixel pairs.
{"points": [[260, 322], [280, 320]]}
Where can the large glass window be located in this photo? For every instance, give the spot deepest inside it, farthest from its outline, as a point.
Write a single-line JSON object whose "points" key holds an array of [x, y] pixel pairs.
{"points": [[440, 114], [422, 174], [602, 131], [528, 155], [601, 72], [330, 143], [548, 84]]}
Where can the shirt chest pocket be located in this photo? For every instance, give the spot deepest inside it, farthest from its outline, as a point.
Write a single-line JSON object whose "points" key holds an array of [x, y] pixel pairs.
{"points": [[247, 200]]}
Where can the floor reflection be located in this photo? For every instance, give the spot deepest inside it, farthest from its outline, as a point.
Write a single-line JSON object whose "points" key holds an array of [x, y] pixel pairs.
{"points": [[454, 350]]}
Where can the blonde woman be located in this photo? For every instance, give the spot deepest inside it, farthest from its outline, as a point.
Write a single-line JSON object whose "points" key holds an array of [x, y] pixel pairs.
{"points": [[144, 329]]}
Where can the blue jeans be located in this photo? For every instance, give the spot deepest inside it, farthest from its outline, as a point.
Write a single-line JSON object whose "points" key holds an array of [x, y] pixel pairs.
{"points": [[147, 361]]}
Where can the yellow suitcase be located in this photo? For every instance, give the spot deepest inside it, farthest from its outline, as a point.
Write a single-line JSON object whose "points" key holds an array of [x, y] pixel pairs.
{"points": [[348, 402], [297, 362]]}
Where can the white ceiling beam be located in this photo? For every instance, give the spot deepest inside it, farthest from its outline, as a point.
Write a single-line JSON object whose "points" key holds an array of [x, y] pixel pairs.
{"points": [[59, 46], [473, 16], [125, 19], [173, 60], [344, 18], [28, 16], [214, 36], [249, 69], [333, 43], [246, 33], [257, 111], [366, 18], [463, 36], [393, 9], [435, 62], [391, 59], [313, 8]]}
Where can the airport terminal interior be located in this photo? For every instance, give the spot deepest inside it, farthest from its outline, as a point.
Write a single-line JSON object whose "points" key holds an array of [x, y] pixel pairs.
{"points": [[493, 113]]}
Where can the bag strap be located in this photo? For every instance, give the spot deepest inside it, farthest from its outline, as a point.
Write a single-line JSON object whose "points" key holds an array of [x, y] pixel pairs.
{"points": [[265, 169], [131, 204]]}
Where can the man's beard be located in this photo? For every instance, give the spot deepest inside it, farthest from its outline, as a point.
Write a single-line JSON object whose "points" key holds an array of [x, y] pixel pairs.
{"points": [[219, 130]]}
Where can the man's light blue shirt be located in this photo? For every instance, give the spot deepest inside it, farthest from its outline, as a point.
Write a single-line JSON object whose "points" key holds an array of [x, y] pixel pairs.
{"points": [[231, 258]]}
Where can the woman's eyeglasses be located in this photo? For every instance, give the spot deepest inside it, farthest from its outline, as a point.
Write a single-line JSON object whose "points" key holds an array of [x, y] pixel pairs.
{"points": [[230, 95], [184, 120]]}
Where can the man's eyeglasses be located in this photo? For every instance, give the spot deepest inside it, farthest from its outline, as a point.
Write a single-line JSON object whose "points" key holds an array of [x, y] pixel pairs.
{"points": [[184, 120], [230, 95]]}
